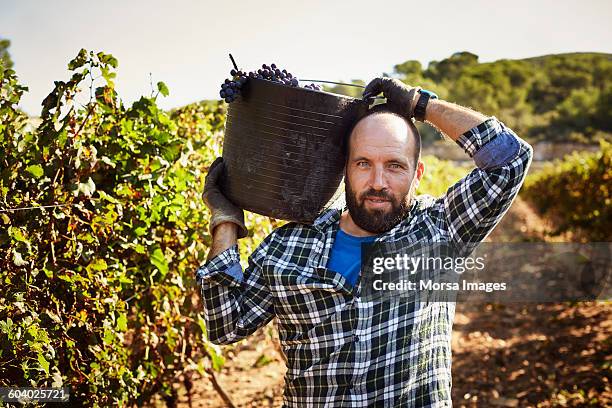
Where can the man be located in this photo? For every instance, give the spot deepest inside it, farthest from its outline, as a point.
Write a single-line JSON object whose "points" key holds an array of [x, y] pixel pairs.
{"points": [[344, 350]]}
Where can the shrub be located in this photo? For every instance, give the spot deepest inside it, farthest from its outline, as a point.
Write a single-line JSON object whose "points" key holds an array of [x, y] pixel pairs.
{"points": [[575, 193]]}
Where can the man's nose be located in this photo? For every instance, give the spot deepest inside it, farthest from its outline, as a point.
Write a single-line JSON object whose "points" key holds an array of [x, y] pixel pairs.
{"points": [[377, 181]]}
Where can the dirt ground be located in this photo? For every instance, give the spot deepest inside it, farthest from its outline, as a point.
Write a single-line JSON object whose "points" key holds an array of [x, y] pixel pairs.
{"points": [[518, 355]]}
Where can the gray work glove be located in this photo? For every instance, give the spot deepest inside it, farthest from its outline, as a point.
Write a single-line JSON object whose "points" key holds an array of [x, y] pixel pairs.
{"points": [[399, 96], [221, 209]]}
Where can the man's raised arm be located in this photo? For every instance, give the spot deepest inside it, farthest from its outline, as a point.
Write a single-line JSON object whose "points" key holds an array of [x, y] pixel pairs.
{"points": [[475, 204]]}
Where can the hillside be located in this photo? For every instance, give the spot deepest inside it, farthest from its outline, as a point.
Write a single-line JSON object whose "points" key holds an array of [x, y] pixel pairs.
{"points": [[557, 97]]}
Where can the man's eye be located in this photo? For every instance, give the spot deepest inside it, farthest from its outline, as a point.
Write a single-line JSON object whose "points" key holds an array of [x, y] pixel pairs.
{"points": [[362, 164], [395, 166]]}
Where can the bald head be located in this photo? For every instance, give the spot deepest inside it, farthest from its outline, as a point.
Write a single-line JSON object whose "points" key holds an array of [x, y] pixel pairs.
{"points": [[383, 128]]}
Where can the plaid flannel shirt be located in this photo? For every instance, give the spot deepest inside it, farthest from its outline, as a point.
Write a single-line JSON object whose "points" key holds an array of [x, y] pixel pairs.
{"points": [[344, 351]]}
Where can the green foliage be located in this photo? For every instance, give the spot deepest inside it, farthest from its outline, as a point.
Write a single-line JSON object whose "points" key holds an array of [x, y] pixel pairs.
{"points": [[575, 192], [12, 120], [451, 68], [566, 97], [98, 288], [439, 176], [409, 69], [555, 98], [5, 57]]}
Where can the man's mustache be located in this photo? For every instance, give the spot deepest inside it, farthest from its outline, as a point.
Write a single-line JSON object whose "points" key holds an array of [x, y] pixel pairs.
{"points": [[376, 193]]}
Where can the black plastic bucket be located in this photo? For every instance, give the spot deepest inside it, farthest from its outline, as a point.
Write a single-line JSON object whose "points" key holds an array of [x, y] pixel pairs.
{"points": [[282, 148]]}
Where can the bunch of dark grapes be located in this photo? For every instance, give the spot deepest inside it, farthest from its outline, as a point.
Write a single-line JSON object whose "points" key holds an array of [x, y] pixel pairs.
{"points": [[230, 89]]}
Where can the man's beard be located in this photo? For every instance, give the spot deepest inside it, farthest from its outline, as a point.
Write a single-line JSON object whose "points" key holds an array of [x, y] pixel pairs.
{"points": [[379, 220]]}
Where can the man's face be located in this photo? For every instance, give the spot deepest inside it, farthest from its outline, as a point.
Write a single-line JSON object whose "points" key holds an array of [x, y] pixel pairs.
{"points": [[380, 174]]}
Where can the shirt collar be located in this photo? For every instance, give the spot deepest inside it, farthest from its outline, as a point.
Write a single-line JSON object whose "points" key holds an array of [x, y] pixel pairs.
{"points": [[327, 218]]}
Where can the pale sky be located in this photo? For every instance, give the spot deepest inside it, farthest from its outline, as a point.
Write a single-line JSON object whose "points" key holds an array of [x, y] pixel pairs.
{"points": [[185, 43]]}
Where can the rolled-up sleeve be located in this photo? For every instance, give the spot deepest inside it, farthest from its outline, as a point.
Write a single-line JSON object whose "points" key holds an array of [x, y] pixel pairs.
{"points": [[225, 263], [475, 204]]}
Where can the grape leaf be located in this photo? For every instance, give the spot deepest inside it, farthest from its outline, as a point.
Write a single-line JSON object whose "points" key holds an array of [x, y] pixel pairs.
{"points": [[159, 261], [162, 88], [36, 170], [44, 364], [122, 322]]}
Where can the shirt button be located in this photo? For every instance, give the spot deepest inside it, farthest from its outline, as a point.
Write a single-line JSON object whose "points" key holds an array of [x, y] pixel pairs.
{"points": [[355, 338]]}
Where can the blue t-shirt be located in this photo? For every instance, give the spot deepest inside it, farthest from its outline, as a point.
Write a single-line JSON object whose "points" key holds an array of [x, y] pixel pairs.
{"points": [[345, 255]]}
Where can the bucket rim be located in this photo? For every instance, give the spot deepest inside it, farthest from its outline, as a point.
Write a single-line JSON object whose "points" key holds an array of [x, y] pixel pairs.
{"points": [[305, 90]]}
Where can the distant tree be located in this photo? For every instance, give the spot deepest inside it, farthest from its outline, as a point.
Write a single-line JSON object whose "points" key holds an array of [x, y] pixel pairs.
{"points": [[5, 57], [408, 68], [561, 97], [451, 68]]}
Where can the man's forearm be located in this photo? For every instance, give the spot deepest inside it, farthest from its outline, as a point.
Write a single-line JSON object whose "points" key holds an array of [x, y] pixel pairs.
{"points": [[225, 235], [451, 119]]}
